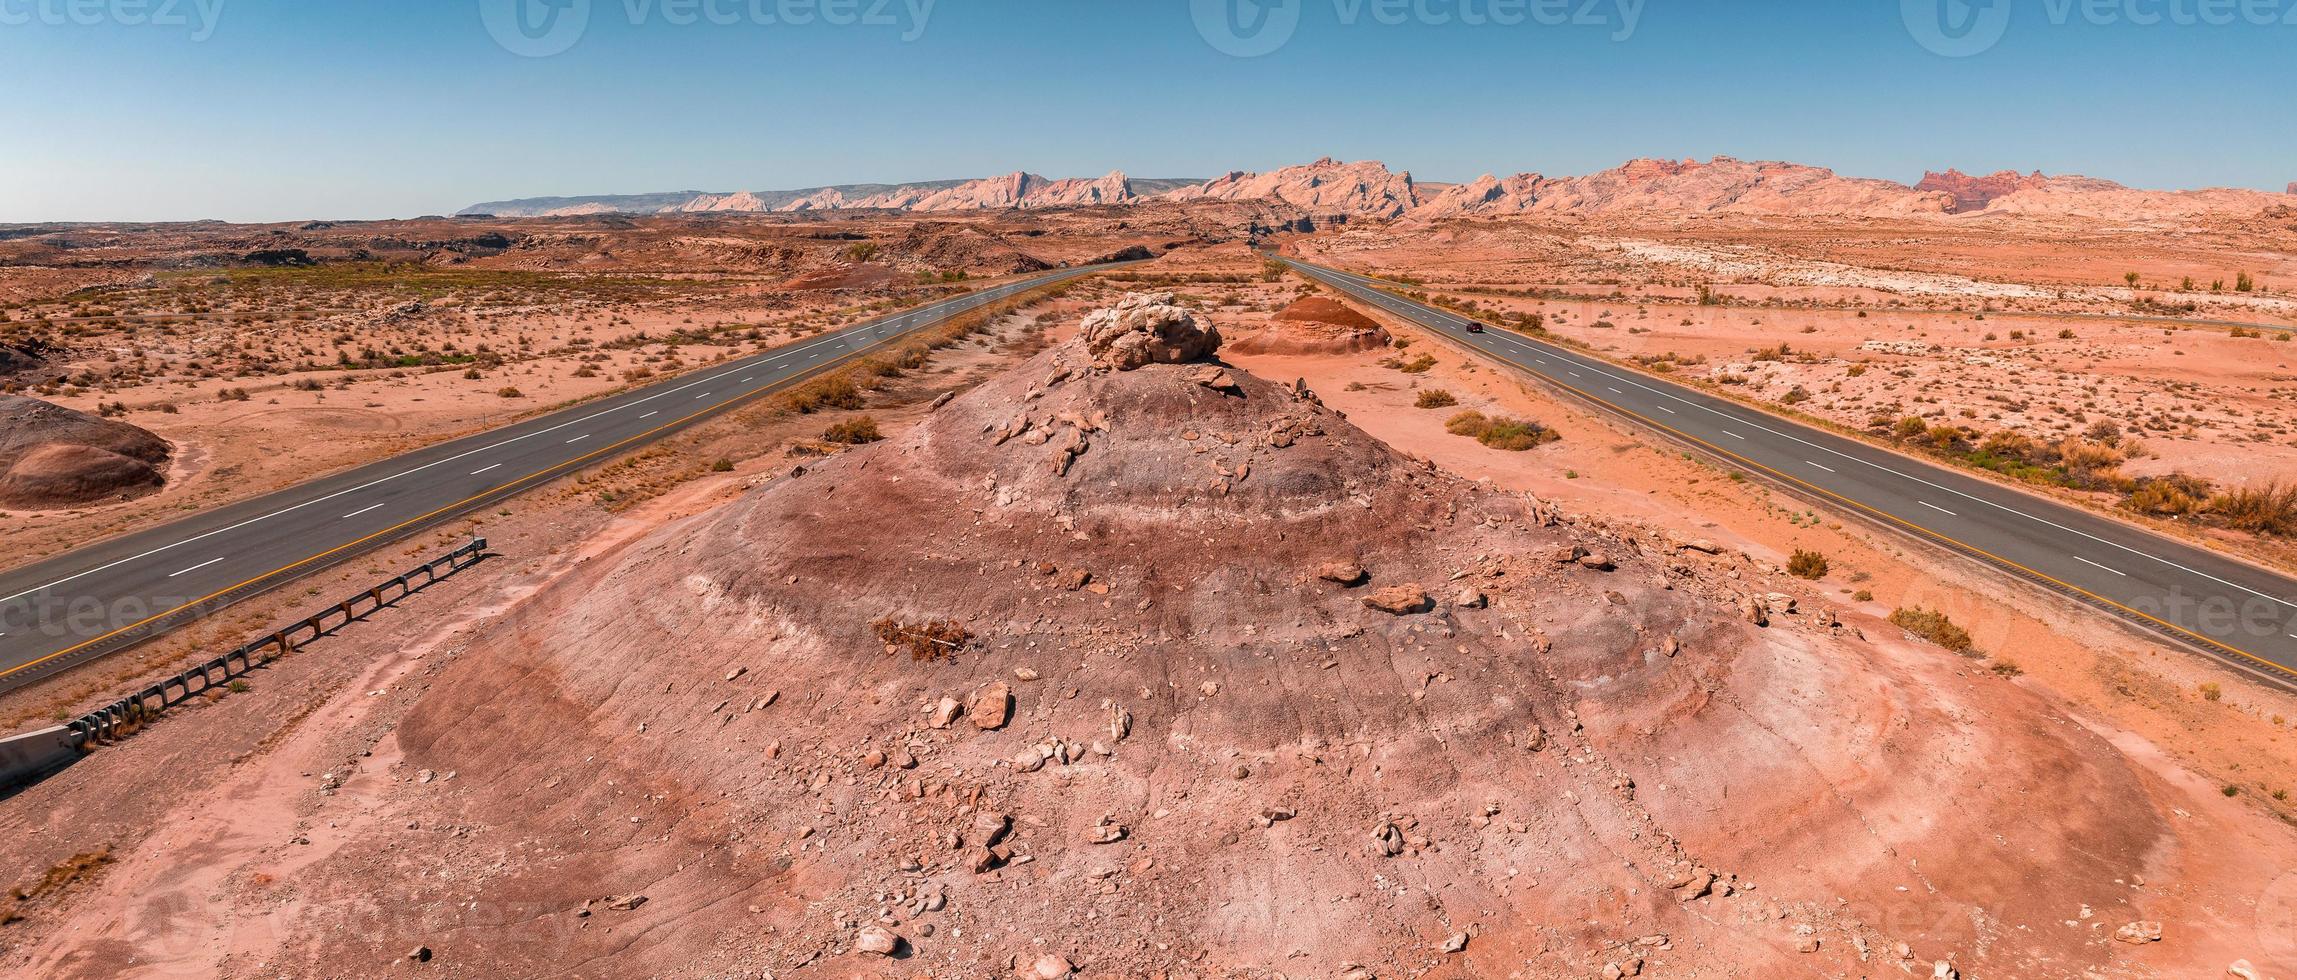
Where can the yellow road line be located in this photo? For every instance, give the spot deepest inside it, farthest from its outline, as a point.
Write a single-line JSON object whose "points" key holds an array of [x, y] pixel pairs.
{"points": [[574, 463], [2270, 666]]}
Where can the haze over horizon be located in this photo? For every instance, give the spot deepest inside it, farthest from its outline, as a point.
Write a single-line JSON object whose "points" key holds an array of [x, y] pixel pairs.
{"points": [[258, 110]]}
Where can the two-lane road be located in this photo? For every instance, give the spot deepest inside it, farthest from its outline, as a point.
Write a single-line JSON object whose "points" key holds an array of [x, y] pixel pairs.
{"points": [[2241, 612], [86, 603]]}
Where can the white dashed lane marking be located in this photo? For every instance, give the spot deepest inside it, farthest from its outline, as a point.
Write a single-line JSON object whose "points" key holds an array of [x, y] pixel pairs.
{"points": [[195, 568]]}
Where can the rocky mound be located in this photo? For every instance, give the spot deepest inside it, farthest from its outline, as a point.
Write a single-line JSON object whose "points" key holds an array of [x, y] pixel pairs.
{"points": [[52, 456], [1173, 671], [1315, 325]]}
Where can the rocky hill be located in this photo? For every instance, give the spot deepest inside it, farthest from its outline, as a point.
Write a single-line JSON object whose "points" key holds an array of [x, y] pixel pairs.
{"points": [[52, 456], [1129, 663], [1369, 189]]}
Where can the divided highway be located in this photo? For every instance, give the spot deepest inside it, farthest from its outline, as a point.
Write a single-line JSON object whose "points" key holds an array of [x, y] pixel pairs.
{"points": [[81, 605], [2238, 611]]}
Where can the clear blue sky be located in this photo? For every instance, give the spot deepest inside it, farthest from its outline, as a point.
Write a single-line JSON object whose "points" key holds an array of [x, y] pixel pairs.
{"points": [[292, 109]]}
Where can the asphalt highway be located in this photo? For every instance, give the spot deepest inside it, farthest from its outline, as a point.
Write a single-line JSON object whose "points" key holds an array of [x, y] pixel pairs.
{"points": [[2224, 606], [75, 607]]}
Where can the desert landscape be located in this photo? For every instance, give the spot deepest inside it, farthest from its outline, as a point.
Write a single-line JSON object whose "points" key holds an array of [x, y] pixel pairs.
{"points": [[1188, 618]]}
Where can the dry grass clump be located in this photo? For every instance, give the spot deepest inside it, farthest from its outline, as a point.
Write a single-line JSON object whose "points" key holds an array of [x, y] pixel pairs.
{"points": [[1501, 432], [836, 392], [853, 432], [1932, 625], [925, 642], [2269, 508]]}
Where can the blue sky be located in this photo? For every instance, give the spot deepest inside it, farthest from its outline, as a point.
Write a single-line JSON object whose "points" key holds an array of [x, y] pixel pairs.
{"points": [[289, 109]]}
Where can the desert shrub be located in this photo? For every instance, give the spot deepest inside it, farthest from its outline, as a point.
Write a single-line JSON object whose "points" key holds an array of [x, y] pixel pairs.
{"points": [[853, 432], [1436, 398], [1863, 595], [722, 465], [1932, 625], [510, 393], [2244, 283], [1910, 427], [825, 394], [1807, 564], [2007, 668], [924, 642], [2212, 692], [1516, 435], [1471, 424], [2267, 509], [1418, 365], [2171, 495]]}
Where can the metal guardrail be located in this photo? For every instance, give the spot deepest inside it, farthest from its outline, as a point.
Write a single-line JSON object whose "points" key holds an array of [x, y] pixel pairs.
{"points": [[27, 758]]}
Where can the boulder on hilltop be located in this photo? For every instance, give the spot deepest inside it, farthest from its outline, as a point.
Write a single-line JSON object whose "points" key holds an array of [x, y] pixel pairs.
{"points": [[1144, 329]]}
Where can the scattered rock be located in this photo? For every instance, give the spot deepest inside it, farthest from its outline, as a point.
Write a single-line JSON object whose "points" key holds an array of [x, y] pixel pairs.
{"points": [[1471, 598], [2139, 933], [420, 954], [1400, 600], [876, 940], [2242, 969], [1457, 942], [1052, 966], [1755, 611], [990, 706], [625, 903], [1343, 572], [945, 713]]}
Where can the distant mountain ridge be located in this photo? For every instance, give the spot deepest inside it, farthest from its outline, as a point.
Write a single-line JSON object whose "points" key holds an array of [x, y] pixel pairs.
{"points": [[1369, 189]]}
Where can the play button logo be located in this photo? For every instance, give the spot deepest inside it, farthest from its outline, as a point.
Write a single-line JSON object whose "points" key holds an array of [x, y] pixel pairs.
{"points": [[1956, 28], [1246, 28], [535, 28]]}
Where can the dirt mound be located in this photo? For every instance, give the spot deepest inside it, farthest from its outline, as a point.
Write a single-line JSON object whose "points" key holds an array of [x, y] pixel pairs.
{"points": [[52, 456], [1315, 325], [1173, 670], [958, 246]]}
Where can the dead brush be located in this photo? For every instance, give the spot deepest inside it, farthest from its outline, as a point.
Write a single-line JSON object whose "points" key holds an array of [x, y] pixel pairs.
{"points": [[925, 642], [2269, 508]]}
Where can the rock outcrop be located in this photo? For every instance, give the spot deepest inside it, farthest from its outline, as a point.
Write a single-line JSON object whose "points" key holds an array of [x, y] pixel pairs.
{"points": [[52, 456], [1144, 329]]}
